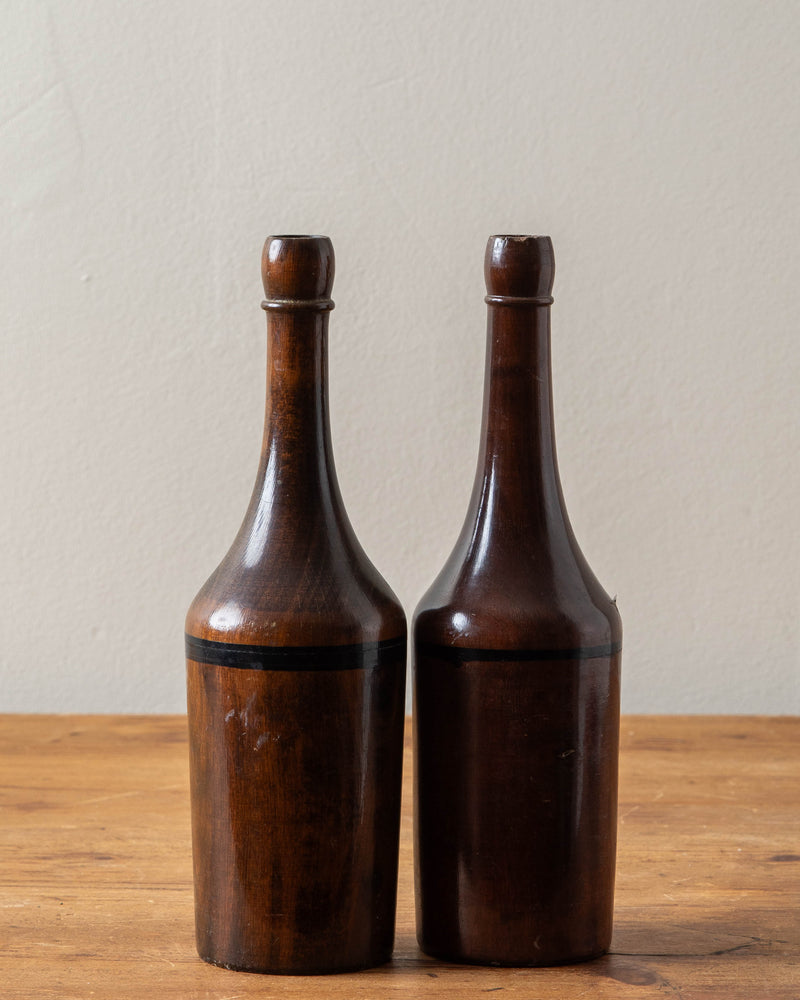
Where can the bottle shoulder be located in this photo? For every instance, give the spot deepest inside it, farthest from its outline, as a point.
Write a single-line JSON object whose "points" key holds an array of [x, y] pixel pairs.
{"points": [[301, 594], [517, 627], [322, 613], [526, 603]]}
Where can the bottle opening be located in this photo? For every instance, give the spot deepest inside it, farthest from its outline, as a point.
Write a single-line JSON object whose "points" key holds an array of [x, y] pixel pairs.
{"points": [[519, 267], [298, 268]]}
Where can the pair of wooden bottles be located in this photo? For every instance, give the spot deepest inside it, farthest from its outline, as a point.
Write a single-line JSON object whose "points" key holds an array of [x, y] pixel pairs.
{"points": [[296, 652]]}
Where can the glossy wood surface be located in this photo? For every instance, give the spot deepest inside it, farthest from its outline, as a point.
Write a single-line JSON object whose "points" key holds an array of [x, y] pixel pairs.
{"points": [[516, 679], [96, 872], [296, 677], [295, 574]]}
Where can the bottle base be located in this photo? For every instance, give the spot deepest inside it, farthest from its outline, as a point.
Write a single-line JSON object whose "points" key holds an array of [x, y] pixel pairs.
{"points": [[510, 962], [299, 971]]}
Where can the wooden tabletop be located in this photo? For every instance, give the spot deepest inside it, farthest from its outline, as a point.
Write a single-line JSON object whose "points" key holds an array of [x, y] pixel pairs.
{"points": [[95, 871]]}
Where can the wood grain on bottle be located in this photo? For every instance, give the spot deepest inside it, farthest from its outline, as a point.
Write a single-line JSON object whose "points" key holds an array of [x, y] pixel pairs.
{"points": [[296, 675], [517, 656]]}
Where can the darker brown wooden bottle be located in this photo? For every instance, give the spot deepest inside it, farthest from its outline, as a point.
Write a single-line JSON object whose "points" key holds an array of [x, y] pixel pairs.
{"points": [[296, 654], [517, 657]]}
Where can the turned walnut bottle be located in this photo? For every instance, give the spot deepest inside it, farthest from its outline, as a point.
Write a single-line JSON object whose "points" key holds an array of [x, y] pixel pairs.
{"points": [[517, 658], [296, 672]]}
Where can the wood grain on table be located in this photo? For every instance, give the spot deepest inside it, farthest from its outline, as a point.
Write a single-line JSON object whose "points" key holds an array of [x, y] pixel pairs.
{"points": [[96, 895]]}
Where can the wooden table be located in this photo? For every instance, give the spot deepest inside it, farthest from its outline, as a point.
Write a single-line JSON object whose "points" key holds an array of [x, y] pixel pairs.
{"points": [[95, 871]]}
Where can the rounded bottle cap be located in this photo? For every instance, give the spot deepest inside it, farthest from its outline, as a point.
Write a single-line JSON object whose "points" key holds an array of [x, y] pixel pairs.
{"points": [[519, 268], [297, 272]]}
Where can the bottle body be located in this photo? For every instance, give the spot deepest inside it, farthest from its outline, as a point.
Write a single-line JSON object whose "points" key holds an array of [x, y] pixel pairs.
{"points": [[516, 806], [296, 677], [295, 775], [516, 685]]}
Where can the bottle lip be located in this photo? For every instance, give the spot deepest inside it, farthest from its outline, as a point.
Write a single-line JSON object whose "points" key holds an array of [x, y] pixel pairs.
{"points": [[297, 272], [519, 270]]}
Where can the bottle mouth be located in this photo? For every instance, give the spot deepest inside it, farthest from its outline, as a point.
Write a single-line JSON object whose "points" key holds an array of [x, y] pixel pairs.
{"points": [[519, 270], [297, 272]]}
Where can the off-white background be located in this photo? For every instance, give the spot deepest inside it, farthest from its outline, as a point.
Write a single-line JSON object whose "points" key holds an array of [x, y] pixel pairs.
{"points": [[146, 149]]}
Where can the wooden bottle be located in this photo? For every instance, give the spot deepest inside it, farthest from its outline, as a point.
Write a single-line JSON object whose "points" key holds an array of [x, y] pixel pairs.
{"points": [[296, 652], [517, 651]]}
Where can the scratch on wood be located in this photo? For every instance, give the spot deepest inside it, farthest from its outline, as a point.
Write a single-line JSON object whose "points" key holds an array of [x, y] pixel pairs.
{"points": [[624, 816]]}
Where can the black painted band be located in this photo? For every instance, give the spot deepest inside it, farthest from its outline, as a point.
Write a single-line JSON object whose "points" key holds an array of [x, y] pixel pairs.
{"points": [[358, 656], [460, 654]]}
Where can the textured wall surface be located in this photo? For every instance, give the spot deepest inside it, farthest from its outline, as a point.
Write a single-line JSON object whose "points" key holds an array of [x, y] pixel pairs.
{"points": [[146, 150]]}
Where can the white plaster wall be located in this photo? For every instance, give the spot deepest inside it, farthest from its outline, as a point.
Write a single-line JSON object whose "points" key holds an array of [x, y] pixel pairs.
{"points": [[146, 149]]}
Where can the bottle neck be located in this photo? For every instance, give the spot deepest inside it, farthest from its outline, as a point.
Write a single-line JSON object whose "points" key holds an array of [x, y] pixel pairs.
{"points": [[297, 442], [517, 484], [296, 490]]}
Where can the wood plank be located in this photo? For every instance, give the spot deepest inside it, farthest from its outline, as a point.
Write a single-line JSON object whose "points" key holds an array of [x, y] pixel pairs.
{"points": [[95, 871]]}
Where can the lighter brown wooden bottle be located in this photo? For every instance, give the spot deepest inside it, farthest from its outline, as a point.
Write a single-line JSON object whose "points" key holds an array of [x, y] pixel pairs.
{"points": [[296, 653], [516, 687]]}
